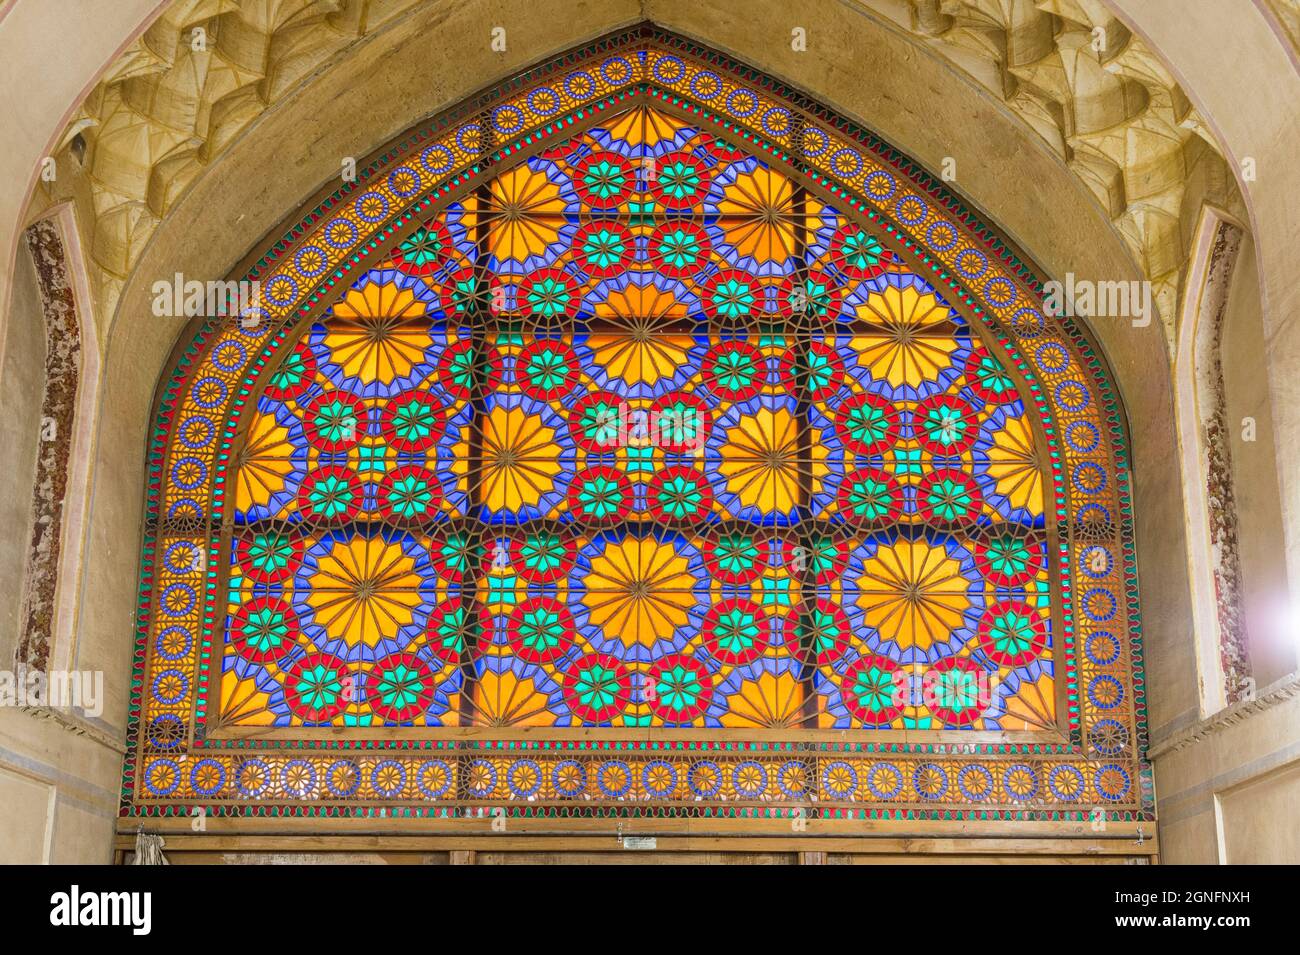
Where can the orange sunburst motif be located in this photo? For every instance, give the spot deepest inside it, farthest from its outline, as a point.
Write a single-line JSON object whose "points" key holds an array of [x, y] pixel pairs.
{"points": [[524, 215], [520, 459], [760, 218], [643, 347], [916, 342], [639, 590], [645, 127], [763, 463], [263, 464], [770, 700], [505, 699], [364, 591], [913, 593], [1014, 465], [379, 332]]}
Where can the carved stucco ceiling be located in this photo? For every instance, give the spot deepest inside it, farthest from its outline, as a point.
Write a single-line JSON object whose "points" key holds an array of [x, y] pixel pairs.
{"points": [[176, 98], [1103, 102], [1092, 91]]}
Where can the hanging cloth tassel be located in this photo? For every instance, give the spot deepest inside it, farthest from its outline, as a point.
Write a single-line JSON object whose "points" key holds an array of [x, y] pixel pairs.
{"points": [[148, 849]]}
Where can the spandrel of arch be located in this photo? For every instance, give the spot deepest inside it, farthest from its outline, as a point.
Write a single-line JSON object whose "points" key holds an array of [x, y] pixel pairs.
{"points": [[640, 404]]}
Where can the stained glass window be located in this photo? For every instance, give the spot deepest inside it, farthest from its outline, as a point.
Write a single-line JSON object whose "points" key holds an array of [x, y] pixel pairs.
{"points": [[640, 435], [642, 432]]}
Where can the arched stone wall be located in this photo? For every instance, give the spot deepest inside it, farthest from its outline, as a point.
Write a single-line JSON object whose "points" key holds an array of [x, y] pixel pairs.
{"points": [[1066, 388], [201, 238]]}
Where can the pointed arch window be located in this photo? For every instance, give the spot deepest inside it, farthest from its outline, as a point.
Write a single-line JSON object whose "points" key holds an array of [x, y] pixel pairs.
{"points": [[647, 408]]}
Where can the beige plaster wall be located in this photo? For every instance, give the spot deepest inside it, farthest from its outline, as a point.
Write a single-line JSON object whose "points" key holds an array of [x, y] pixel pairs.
{"points": [[389, 82], [1230, 795], [1219, 797], [22, 382], [1261, 538], [1249, 815], [58, 792]]}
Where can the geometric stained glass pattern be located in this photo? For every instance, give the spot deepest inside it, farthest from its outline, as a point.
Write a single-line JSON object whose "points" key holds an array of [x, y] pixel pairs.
{"points": [[639, 438], [640, 434]]}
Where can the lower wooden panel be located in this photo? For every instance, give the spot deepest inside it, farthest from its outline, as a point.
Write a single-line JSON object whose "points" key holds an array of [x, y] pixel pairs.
{"points": [[473, 842], [627, 858]]}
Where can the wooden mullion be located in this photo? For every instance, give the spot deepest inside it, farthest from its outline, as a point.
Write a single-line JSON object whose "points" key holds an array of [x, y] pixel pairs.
{"points": [[478, 402]]}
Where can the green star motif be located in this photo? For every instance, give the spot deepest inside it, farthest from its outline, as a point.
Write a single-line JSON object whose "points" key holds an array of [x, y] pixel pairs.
{"points": [[678, 688], [414, 421], [1012, 633], [450, 632], [949, 499], [736, 553], [400, 687], [811, 297], [679, 179], [604, 179], [336, 421], [318, 687], [734, 371], [600, 424], [945, 426], [680, 497], [1008, 556], [596, 687], [862, 250], [421, 248], [733, 298], [874, 689], [601, 497], [466, 369], [547, 370], [265, 630], [540, 630], [270, 553], [603, 249], [870, 499], [822, 631], [993, 376], [679, 249], [331, 496], [867, 424], [290, 373], [813, 371], [737, 631], [542, 553], [410, 496], [957, 690]]}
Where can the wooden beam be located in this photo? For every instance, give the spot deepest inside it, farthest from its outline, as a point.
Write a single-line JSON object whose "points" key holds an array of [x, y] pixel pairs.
{"points": [[510, 842], [810, 832]]}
